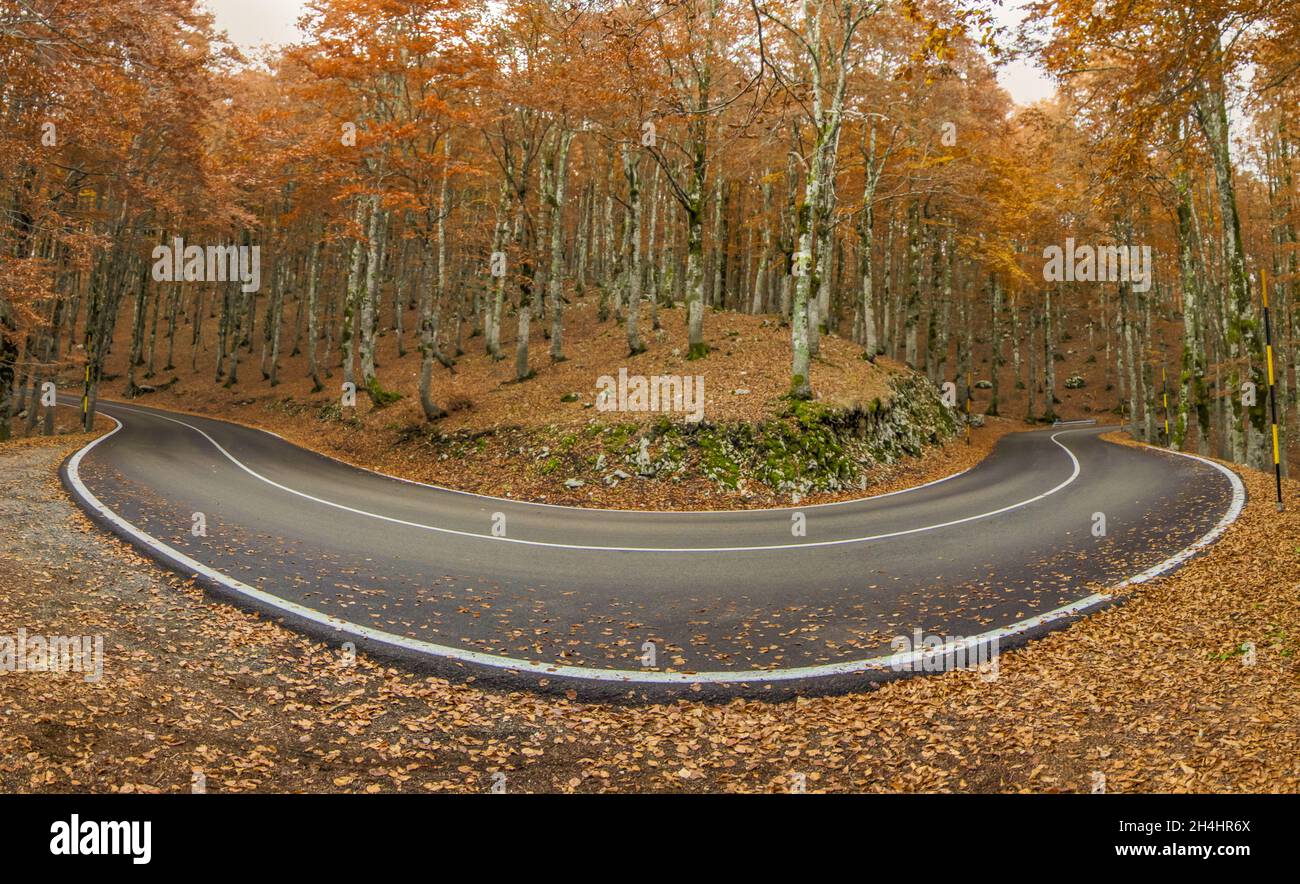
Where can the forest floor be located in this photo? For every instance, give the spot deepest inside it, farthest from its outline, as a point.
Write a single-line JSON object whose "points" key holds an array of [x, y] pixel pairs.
{"points": [[1191, 685]]}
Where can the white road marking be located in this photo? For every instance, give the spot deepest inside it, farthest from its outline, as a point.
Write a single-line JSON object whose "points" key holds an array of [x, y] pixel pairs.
{"points": [[556, 506], [873, 664], [639, 549]]}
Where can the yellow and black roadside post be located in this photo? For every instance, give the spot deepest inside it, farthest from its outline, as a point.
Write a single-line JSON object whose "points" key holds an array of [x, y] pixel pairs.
{"points": [[85, 397], [1272, 390], [1164, 395]]}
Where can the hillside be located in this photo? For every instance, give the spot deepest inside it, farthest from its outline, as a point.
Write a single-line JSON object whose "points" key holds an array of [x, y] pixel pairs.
{"points": [[865, 432]]}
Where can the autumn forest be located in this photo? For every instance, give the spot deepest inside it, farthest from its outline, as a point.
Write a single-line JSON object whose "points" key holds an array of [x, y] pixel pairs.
{"points": [[649, 396], [456, 174]]}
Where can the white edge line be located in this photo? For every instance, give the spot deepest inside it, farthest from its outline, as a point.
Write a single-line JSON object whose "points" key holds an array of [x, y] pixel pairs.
{"points": [[888, 663], [637, 549]]}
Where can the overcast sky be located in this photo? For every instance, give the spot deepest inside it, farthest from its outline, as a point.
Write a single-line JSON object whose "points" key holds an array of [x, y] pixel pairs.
{"points": [[252, 23]]}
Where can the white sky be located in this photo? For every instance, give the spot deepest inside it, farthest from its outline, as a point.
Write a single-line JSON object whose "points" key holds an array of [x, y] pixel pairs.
{"points": [[252, 23], [1025, 81]]}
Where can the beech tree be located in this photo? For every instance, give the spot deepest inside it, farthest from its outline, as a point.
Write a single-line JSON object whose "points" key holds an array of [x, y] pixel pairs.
{"points": [[445, 169]]}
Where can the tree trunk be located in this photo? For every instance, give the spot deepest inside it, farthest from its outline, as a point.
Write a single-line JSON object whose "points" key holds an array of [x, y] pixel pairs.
{"points": [[492, 323], [995, 343], [912, 306], [1049, 358], [313, 265], [559, 185], [370, 300], [1245, 348], [631, 171], [347, 332]]}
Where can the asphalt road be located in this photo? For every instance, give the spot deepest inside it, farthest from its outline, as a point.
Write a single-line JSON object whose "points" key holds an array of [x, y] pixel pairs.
{"points": [[643, 604]]}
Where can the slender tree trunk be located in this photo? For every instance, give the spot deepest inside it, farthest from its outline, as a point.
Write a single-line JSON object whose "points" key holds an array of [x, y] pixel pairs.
{"points": [[369, 301], [559, 186], [801, 354], [399, 297], [277, 319], [173, 307], [631, 171], [313, 266], [965, 350], [152, 348], [873, 166], [995, 343], [241, 305], [762, 273], [348, 330], [1049, 358], [912, 316], [1130, 355], [492, 323], [432, 297], [134, 358], [585, 211]]}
